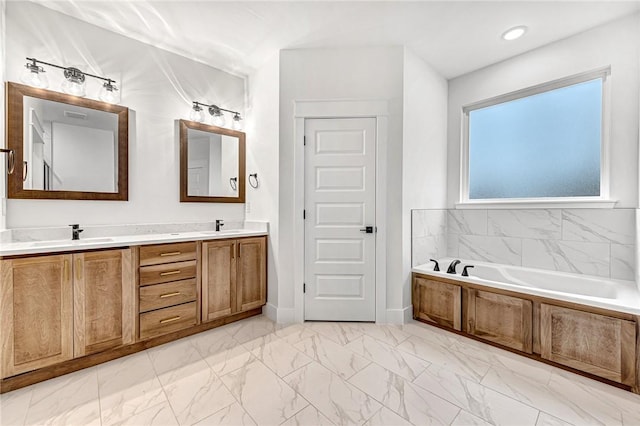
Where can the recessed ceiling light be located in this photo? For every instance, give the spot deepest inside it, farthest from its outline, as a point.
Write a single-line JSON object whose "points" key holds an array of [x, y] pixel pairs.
{"points": [[514, 33]]}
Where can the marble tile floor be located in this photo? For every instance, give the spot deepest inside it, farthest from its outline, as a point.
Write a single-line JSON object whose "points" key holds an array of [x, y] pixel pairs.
{"points": [[257, 372]]}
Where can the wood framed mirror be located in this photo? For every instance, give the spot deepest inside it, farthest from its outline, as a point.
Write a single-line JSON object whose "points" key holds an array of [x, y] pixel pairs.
{"points": [[66, 147], [212, 164]]}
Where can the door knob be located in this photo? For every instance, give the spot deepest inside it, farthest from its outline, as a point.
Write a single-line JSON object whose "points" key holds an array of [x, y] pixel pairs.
{"points": [[367, 229]]}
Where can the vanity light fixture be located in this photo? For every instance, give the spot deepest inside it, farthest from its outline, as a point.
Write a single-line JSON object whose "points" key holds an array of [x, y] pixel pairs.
{"points": [[217, 117], [34, 75], [514, 33], [74, 83]]}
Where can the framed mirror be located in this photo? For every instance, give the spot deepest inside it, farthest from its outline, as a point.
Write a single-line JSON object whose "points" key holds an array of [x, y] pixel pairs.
{"points": [[66, 147], [212, 164]]}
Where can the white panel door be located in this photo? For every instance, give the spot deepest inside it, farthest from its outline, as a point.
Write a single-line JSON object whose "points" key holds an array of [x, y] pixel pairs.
{"points": [[340, 179]]}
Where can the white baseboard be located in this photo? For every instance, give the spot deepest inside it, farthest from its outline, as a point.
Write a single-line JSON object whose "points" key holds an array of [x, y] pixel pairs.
{"points": [[399, 316], [270, 312], [286, 315], [279, 315]]}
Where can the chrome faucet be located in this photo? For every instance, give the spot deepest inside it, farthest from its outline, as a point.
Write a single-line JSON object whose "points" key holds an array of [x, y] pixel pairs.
{"points": [[452, 267], [75, 231], [219, 223]]}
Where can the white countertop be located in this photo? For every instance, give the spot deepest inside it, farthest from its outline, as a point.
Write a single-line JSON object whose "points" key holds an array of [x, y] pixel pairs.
{"points": [[51, 246]]}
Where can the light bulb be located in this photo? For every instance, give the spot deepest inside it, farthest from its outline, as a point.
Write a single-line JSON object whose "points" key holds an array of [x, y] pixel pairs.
{"points": [[218, 120], [236, 123], [196, 113], [109, 93], [35, 76], [74, 83]]}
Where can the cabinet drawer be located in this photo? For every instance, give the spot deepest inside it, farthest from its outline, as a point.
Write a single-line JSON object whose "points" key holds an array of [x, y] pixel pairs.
{"points": [[168, 294], [164, 253], [167, 320], [176, 271]]}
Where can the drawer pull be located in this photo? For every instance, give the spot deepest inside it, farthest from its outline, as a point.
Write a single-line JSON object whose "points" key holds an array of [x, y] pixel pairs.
{"points": [[164, 321], [162, 274], [172, 253], [176, 293]]}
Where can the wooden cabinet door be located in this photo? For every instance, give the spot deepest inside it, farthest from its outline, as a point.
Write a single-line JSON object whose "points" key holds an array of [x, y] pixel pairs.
{"points": [[598, 344], [501, 319], [218, 279], [37, 313], [437, 302], [104, 312], [252, 273]]}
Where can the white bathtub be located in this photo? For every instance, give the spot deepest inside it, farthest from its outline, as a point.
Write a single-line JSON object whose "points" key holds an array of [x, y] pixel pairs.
{"points": [[605, 293]]}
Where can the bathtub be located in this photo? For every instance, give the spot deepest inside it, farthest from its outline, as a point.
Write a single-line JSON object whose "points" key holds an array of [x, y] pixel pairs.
{"points": [[617, 295]]}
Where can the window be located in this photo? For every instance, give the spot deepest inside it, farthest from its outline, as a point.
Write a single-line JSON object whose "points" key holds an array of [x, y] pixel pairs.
{"points": [[542, 143]]}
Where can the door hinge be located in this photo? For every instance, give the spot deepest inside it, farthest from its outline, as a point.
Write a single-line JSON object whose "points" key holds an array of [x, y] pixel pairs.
{"points": [[304, 140], [304, 214], [304, 287]]}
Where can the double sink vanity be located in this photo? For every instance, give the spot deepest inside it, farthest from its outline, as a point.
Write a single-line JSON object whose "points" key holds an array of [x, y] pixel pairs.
{"points": [[72, 303], [67, 305]]}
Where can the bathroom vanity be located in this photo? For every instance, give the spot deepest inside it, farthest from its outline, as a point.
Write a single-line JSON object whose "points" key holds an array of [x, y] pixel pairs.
{"points": [[70, 306]]}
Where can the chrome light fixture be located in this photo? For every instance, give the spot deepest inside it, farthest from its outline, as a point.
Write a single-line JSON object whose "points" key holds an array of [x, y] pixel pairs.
{"points": [[217, 117], [74, 83], [34, 75]]}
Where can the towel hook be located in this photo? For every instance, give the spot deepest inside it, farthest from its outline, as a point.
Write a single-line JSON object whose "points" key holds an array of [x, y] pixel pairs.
{"points": [[11, 159], [233, 182], [254, 183]]}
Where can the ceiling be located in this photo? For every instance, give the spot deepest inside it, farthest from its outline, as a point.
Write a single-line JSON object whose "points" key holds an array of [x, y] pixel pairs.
{"points": [[455, 37]]}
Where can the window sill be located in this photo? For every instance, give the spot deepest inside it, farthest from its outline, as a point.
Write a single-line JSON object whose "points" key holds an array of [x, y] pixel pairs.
{"points": [[538, 204]]}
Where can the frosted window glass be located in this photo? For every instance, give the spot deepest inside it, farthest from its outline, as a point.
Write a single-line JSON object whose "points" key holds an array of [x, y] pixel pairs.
{"points": [[545, 145]]}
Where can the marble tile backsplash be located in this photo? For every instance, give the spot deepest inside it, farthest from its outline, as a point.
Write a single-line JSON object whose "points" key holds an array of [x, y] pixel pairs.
{"points": [[585, 241]]}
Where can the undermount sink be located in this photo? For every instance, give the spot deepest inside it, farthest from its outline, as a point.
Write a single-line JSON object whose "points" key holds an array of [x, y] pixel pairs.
{"points": [[58, 243], [228, 231]]}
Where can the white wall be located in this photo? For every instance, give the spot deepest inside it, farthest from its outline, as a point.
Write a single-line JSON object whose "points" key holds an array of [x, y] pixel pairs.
{"points": [[262, 127], [336, 74], [156, 85], [614, 44], [424, 163]]}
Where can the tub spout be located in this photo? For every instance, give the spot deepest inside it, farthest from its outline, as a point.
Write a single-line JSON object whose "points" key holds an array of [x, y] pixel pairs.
{"points": [[452, 267]]}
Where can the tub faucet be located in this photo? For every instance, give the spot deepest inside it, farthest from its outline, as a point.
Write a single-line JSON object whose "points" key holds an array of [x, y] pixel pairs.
{"points": [[436, 267], [465, 273], [219, 223], [75, 231], [452, 267]]}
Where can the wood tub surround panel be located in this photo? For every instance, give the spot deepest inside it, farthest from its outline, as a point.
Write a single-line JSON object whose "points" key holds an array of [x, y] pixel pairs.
{"points": [[37, 313], [501, 319], [104, 315], [437, 302], [598, 344], [595, 342]]}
